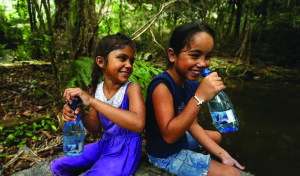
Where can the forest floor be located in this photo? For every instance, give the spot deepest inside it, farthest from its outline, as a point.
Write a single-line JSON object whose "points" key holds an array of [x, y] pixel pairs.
{"points": [[30, 110]]}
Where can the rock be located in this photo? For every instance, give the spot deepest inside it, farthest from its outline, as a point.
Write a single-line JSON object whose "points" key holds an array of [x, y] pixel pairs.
{"points": [[43, 168], [144, 168]]}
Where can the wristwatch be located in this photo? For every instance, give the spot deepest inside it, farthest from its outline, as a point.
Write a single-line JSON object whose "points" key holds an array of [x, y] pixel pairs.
{"points": [[200, 102]]}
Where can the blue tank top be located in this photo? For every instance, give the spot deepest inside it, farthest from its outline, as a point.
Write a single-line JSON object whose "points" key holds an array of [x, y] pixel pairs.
{"points": [[155, 144]]}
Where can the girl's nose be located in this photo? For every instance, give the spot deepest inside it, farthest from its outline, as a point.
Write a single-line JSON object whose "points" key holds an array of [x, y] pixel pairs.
{"points": [[128, 64], [201, 62]]}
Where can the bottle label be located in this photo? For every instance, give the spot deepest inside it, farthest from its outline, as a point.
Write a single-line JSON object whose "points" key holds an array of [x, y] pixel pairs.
{"points": [[230, 116], [223, 117], [73, 147]]}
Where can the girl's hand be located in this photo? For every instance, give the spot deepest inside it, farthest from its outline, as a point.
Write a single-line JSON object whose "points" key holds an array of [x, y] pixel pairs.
{"points": [[228, 160], [209, 87], [71, 93], [68, 113]]}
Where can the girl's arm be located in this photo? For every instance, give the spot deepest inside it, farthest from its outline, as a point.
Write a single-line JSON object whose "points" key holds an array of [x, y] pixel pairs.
{"points": [[202, 137], [172, 127], [91, 121], [132, 119]]}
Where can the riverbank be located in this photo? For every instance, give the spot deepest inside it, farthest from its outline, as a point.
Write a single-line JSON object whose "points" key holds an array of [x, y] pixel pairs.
{"points": [[144, 168], [28, 105]]}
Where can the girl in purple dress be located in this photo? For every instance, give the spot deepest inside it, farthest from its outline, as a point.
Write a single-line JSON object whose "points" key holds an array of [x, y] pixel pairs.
{"points": [[114, 104]]}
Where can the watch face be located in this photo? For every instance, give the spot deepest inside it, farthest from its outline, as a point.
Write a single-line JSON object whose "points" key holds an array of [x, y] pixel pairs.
{"points": [[201, 102]]}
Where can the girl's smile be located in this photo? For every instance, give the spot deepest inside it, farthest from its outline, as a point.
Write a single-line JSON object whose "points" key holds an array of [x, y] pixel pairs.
{"points": [[193, 58], [196, 73], [119, 66]]}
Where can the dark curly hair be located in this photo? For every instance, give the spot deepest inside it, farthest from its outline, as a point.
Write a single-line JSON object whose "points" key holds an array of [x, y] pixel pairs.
{"points": [[104, 46]]}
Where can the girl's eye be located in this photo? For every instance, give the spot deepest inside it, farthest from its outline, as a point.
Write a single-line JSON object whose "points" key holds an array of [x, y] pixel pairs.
{"points": [[195, 56], [207, 57], [122, 58]]}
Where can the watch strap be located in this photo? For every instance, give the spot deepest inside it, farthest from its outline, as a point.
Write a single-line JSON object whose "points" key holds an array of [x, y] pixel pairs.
{"points": [[199, 102]]}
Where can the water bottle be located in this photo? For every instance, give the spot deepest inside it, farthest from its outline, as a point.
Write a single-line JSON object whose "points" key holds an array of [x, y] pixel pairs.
{"points": [[73, 134], [221, 110]]}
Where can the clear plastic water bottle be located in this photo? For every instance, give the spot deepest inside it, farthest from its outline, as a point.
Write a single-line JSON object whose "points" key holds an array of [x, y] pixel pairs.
{"points": [[221, 110], [73, 134]]}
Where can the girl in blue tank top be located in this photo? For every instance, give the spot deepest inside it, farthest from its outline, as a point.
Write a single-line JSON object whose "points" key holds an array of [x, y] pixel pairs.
{"points": [[174, 98]]}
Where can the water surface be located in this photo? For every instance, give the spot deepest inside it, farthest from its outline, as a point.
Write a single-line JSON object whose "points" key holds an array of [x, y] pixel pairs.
{"points": [[268, 141]]}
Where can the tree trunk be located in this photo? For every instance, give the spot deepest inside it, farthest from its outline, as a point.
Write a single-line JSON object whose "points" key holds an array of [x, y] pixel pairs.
{"points": [[85, 30], [121, 15], [220, 23], [203, 11], [29, 7], [228, 32], [243, 54], [264, 14], [238, 19], [245, 23], [61, 30]]}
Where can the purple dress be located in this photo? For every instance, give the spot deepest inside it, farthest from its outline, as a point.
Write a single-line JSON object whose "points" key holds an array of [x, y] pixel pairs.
{"points": [[117, 154]]}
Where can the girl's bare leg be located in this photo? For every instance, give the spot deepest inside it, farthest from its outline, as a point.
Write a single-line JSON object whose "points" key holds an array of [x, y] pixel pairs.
{"points": [[219, 169], [214, 135]]}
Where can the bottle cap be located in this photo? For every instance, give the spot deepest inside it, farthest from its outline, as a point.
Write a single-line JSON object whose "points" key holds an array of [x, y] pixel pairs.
{"points": [[206, 72], [74, 104]]}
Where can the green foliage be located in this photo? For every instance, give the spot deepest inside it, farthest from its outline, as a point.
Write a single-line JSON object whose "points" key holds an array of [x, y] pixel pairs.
{"points": [[19, 134], [143, 74], [3, 51], [267, 17], [81, 73], [37, 92]]}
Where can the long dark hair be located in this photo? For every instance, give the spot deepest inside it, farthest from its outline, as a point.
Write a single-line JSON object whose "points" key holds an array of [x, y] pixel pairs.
{"points": [[104, 46], [182, 34]]}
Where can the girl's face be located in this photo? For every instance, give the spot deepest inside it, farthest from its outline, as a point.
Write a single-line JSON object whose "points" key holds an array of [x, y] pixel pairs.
{"points": [[119, 65], [194, 58]]}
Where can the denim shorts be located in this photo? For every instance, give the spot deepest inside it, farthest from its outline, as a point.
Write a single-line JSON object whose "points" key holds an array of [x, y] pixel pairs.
{"points": [[184, 163]]}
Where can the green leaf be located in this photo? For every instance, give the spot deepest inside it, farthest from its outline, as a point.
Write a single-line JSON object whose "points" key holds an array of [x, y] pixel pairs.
{"points": [[53, 127], [23, 141], [10, 137], [28, 133]]}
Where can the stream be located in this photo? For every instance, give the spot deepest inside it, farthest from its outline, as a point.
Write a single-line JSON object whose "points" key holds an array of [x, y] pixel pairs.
{"points": [[268, 139]]}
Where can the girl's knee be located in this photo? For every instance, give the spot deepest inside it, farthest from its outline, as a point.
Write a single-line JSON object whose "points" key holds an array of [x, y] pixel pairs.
{"points": [[233, 171], [53, 167], [218, 137], [214, 135], [220, 169]]}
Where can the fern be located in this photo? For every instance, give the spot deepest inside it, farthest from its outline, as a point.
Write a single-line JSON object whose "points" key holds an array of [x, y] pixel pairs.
{"points": [[82, 69], [143, 74], [81, 73]]}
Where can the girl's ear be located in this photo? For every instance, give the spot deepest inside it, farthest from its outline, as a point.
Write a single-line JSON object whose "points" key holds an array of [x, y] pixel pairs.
{"points": [[172, 55], [100, 61]]}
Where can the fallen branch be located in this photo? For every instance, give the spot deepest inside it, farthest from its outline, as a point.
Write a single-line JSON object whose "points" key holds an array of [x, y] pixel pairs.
{"points": [[47, 146], [15, 158], [15, 121]]}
